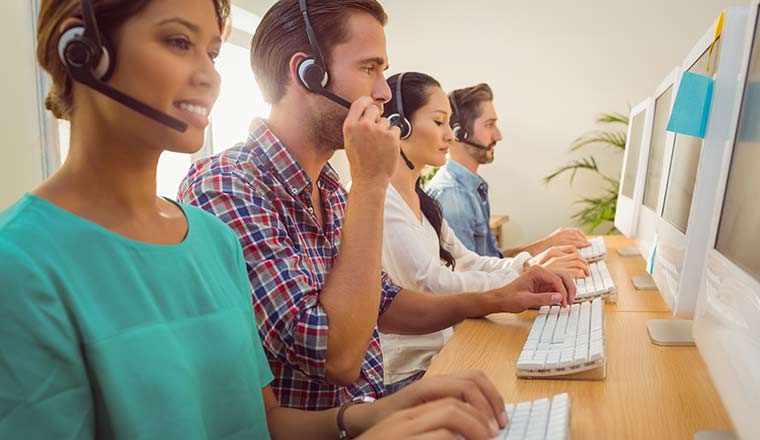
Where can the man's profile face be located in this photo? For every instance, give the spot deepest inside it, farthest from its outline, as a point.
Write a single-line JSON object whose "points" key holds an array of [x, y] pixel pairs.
{"points": [[485, 132], [357, 69]]}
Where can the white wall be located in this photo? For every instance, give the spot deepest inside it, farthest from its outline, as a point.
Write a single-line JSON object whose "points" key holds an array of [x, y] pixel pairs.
{"points": [[20, 153], [554, 66]]}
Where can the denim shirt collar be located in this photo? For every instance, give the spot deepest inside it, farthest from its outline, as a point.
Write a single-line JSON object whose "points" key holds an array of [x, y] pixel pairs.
{"points": [[465, 177]]}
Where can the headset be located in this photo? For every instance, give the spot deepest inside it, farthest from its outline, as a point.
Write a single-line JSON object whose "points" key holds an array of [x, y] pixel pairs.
{"points": [[314, 76], [400, 120], [312, 71], [460, 133], [90, 62]]}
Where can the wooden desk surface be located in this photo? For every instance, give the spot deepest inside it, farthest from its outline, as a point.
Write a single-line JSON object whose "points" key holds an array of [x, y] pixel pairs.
{"points": [[650, 392]]}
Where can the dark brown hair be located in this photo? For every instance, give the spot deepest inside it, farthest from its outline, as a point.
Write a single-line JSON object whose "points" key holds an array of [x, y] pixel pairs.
{"points": [[282, 33], [468, 102], [415, 92], [110, 15]]}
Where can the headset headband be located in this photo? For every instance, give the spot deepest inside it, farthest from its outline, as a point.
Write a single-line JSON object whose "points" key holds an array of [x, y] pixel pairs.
{"points": [[91, 30], [399, 97], [454, 107], [311, 35]]}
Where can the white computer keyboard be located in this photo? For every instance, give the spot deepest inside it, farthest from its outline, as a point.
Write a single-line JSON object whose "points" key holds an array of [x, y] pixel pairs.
{"points": [[541, 419], [596, 251], [565, 341], [597, 285]]}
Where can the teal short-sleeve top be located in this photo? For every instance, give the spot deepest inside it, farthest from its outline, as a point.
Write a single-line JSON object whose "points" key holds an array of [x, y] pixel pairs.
{"points": [[106, 337]]}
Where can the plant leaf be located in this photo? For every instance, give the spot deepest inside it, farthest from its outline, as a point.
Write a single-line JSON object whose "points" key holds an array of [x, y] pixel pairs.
{"points": [[586, 163], [596, 211], [615, 139], [613, 118]]}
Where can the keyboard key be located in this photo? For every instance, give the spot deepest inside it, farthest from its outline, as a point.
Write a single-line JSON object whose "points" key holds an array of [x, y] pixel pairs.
{"points": [[596, 250], [598, 283], [542, 419], [563, 339]]}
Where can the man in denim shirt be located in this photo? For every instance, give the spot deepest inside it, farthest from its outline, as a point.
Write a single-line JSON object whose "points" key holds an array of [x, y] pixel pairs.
{"points": [[463, 194]]}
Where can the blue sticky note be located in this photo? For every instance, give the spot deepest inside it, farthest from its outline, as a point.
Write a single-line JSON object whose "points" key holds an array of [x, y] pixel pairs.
{"points": [[652, 256], [692, 107]]}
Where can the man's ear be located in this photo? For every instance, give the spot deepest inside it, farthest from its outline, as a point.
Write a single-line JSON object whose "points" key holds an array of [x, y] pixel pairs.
{"points": [[295, 61]]}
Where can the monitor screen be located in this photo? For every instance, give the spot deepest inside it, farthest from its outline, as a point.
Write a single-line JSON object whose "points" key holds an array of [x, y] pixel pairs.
{"points": [[739, 231], [657, 149], [685, 159], [634, 150]]}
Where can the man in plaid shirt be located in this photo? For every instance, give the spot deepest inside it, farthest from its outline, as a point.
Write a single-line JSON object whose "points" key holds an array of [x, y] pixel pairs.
{"points": [[313, 253]]}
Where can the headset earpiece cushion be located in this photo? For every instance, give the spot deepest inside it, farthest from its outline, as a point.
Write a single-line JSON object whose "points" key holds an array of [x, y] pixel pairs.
{"points": [[403, 124], [406, 128], [75, 35], [460, 134], [312, 75], [107, 63]]}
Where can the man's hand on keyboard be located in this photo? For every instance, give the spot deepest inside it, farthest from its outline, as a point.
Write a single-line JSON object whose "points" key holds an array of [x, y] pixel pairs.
{"points": [[537, 286]]}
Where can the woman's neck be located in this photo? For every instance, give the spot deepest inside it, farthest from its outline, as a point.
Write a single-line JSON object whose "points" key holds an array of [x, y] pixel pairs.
{"points": [[404, 179], [104, 171]]}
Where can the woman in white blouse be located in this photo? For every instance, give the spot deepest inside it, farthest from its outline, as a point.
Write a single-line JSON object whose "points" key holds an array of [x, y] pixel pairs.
{"points": [[420, 250]]}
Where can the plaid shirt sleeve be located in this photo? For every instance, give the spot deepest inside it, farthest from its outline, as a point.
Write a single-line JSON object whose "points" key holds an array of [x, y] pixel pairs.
{"points": [[390, 290], [292, 323]]}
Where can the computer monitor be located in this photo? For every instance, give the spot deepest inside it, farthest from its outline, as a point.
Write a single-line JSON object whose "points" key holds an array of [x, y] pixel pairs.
{"points": [[661, 142], [727, 318], [694, 165], [634, 166]]}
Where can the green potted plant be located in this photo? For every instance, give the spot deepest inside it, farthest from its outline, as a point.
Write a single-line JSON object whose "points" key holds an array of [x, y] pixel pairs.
{"points": [[597, 211]]}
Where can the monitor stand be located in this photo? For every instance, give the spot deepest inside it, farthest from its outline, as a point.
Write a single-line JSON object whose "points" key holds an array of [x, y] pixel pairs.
{"points": [[715, 435], [644, 282], [628, 251], [671, 332]]}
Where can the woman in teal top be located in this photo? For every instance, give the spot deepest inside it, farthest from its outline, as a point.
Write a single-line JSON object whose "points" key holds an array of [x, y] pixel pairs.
{"points": [[124, 315]]}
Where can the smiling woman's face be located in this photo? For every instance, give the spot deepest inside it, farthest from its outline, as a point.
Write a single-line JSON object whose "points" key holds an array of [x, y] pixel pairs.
{"points": [[165, 58]]}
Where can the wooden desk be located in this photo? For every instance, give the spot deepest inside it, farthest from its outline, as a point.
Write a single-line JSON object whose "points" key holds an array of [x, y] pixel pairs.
{"points": [[495, 223], [650, 392]]}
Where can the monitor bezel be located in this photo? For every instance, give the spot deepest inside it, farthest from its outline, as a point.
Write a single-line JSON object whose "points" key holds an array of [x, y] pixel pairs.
{"points": [[672, 243], [647, 222], [725, 284], [627, 211]]}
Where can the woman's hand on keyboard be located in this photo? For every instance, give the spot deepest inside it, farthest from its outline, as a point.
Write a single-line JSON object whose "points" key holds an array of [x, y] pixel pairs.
{"points": [[560, 259], [471, 387], [537, 286], [566, 236], [444, 419]]}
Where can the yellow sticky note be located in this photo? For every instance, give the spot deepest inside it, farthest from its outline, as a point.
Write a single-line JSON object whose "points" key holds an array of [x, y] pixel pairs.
{"points": [[718, 32]]}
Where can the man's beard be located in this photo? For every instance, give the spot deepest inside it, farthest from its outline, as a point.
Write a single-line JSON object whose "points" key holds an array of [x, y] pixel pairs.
{"points": [[327, 125], [481, 156]]}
